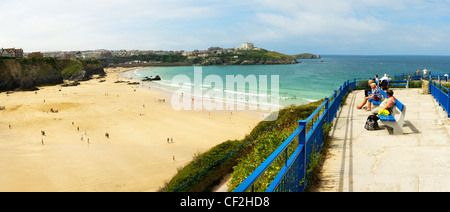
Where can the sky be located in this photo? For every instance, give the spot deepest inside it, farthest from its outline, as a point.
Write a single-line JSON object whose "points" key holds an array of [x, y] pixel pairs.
{"points": [[355, 27]]}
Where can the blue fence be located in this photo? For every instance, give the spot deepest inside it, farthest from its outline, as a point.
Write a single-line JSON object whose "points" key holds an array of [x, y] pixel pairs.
{"points": [[409, 77], [439, 77], [441, 94], [293, 176]]}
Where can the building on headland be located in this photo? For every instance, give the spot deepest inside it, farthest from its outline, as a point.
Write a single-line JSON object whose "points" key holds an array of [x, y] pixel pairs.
{"points": [[109, 54], [12, 52], [248, 46], [35, 55]]}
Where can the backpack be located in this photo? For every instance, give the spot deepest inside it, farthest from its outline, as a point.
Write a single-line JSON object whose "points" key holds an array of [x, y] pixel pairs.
{"points": [[372, 123], [384, 84]]}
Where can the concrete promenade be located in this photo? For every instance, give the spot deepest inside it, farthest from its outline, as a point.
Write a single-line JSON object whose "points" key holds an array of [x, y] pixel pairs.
{"points": [[377, 161]]}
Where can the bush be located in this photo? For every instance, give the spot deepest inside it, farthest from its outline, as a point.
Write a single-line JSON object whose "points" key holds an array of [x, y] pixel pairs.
{"points": [[200, 163], [415, 84], [267, 143], [267, 138]]}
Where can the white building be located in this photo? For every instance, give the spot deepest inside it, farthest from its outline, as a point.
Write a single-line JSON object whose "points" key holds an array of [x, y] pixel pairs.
{"points": [[246, 46]]}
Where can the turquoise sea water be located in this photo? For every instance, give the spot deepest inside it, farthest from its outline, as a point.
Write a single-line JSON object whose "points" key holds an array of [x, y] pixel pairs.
{"points": [[307, 81]]}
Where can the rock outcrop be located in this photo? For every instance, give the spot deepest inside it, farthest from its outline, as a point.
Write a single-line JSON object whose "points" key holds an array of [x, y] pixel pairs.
{"points": [[157, 78], [26, 74]]}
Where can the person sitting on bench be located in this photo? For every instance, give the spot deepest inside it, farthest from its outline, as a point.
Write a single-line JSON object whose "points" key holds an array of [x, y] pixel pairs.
{"points": [[375, 96], [388, 104]]}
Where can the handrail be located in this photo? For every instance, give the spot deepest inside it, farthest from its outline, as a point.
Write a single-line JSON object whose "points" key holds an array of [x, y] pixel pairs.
{"points": [[285, 170], [293, 175], [250, 180], [442, 97]]}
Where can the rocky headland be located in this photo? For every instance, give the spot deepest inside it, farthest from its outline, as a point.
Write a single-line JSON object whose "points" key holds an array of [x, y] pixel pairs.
{"points": [[26, 74]]}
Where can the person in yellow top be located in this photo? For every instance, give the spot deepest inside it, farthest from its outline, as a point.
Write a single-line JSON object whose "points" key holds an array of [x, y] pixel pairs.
{"points": [[387, 105]]}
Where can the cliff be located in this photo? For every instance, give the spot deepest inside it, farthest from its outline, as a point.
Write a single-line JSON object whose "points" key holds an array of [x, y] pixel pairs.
{"points": [[307, 56], [26, 74], [250, 57], [237, 57]]}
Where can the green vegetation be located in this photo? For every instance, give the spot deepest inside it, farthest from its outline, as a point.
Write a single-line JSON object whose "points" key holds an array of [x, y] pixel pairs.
{"points": [[33, 61], [72, 68], [264, 141], [151, 58], [362, 84], [263, 147], [264, 55], [200, 163], [232, 58], [415, 84], [269, 142], [255, 57], [307, 56]]}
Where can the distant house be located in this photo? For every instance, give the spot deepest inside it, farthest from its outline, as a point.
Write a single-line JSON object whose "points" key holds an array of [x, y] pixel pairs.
{"points": [[69, 56], [35, 55], [18, 53], [246, 46], [214, 58], [12, 52]]}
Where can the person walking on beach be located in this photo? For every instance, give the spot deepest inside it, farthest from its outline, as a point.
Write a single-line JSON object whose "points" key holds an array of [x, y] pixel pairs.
{"points": [[171, 140], [42, 141], [167, 140]]}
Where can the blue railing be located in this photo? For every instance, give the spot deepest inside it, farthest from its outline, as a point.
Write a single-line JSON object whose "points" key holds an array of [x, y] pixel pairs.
{"points": [[441, 94], [406, 76], [293, 176], [443, 77]]}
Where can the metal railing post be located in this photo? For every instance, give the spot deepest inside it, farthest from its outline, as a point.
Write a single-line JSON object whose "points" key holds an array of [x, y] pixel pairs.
{"points": [[327, 104], [303, 157]]}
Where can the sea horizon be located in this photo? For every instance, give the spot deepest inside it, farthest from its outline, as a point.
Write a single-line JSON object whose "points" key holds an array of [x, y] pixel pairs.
{"points": [[303, 83]]}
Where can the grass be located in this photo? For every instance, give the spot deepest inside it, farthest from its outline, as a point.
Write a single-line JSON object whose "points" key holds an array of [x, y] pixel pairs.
{"points": [[74, 67]]}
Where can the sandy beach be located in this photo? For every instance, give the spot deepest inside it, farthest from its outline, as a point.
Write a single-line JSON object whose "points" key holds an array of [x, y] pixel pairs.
{"points": [[75, 155]]}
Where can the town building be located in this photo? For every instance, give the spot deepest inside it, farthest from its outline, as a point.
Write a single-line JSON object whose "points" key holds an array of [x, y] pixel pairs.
{"points": [[35, 55], [246, 46], [12, 52]]}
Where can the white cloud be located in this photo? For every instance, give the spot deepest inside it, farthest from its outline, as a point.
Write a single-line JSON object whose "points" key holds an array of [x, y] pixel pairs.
{"points": [[198, 24], [366, 27], [83, 24]]}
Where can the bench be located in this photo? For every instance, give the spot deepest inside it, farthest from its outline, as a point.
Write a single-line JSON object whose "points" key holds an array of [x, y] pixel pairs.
{"points": [[391, 121], [399, 83], [392, 83]]}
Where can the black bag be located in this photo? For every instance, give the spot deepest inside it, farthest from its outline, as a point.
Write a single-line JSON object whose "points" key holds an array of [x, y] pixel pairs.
{"points": [[372, 123], [384, 84]]}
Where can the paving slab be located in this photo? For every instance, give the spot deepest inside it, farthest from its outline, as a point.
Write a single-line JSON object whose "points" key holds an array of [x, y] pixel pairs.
{"points": [[378, 161]]}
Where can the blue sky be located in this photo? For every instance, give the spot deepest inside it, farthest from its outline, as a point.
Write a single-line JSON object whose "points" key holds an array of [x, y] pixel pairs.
{"points": [[369, 27]]}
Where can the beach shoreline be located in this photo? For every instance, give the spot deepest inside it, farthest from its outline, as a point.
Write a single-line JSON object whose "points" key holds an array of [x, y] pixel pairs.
{"points": [[75, 154]]}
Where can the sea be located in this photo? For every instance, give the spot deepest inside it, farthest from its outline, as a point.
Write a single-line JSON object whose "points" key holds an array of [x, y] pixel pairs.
{"points": [[308, 81]]}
